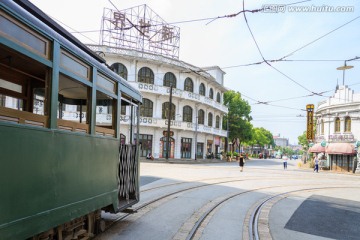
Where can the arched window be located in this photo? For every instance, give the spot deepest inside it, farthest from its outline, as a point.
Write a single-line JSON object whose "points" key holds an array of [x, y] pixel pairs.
{"points": [[210, 119], [189, 85], [218, 98], [347, 124], [165, 111], [187, 114], [169, 80], [337, 125], [201, 116], [146, 75], [322, 127], [211, 93], [120, 69], [202, 89], [217, 123], [146, 109]]}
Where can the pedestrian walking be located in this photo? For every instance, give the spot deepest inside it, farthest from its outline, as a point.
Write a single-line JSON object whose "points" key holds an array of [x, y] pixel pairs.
{"points": [[316, 162], [285, 159], [241, 162]]}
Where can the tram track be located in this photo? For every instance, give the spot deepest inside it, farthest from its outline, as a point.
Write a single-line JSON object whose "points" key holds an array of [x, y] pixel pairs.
{"points": [[156, 202], [171, 195], [206, 215], [253, 229]]}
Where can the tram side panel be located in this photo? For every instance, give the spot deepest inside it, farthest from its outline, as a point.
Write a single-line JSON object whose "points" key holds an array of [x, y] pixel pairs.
{"points": [[50, 177]]}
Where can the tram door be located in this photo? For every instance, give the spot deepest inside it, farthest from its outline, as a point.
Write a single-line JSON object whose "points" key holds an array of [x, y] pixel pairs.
{"points": [[164, 147]]}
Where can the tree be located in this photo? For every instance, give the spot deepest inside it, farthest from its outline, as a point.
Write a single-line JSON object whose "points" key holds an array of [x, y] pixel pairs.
{"points": [[302, 140], [238, 117], [261, 137]]}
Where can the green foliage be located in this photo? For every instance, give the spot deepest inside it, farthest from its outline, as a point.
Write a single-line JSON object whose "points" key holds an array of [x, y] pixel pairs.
{"points": [[262, 137], [302, 140], [235, 154], [238, 120], [229, 154], [238, 116]]}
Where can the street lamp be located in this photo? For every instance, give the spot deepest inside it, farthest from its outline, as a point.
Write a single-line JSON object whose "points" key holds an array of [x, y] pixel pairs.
{"points": [[196, 129], [345, 67]]}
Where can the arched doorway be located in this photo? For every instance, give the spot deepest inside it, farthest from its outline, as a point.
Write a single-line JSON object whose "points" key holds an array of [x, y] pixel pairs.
{"points": [[163, 147]]}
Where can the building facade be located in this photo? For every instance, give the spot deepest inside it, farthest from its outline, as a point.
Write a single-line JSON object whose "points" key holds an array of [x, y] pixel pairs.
{"points": [[281, 141], [338, 128], [197, 109]]}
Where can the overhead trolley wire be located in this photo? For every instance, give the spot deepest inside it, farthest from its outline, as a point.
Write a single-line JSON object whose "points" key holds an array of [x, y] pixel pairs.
{"points": [[262, 56], [317, 39]]}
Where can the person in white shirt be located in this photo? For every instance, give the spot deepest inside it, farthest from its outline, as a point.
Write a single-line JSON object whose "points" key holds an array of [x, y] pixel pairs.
{"points": [[316, 162], [285, 158]]}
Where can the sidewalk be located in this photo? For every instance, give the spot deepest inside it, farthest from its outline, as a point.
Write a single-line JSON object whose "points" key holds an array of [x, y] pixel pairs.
{"points": [[182, 161]]}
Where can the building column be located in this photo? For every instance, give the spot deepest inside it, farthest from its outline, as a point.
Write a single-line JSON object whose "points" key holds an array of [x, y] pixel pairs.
{"points": [[177, 146], [156, 142]]}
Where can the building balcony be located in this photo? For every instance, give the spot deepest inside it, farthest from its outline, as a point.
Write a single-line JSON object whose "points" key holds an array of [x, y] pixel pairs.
{"points": [[174, 124], [178, 93]]}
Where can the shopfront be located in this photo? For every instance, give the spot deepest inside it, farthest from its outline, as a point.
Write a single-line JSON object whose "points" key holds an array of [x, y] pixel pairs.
{"points": [[145, 143], [341, 156], [163, 147], [199, 150], [209, 146], [186, 144], [217, 146]]}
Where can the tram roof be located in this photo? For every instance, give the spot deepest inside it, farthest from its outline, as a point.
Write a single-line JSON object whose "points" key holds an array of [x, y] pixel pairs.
{"points": [[31, 8], [54, 30]]}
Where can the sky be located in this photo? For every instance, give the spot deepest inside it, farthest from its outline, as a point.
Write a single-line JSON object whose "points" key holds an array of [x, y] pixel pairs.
{"points": [[313, 39]]}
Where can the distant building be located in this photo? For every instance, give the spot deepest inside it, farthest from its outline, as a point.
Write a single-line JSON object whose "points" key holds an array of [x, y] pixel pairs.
{"points": [[280, 141]]}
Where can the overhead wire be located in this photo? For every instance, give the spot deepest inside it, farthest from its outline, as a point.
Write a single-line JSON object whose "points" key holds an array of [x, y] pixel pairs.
{"points": [[73, 29], [267, 61], [262, 56], [317, 39], [264, 60]]}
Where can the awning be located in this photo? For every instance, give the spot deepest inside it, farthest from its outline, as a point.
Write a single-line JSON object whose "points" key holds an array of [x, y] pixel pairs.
{"points": [[317, 148], [340, 148]]}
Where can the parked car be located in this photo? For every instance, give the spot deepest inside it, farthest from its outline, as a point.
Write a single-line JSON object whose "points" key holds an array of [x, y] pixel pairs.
{"points": [[294, 157]]}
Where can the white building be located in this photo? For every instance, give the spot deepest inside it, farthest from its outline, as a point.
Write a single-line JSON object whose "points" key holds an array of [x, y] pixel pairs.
{"points": [[147, 57], [338, 126], [281, 141], [197, 101]]}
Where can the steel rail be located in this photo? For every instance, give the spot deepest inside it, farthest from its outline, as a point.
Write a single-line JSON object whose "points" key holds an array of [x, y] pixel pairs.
{"points": [[254, 219]]}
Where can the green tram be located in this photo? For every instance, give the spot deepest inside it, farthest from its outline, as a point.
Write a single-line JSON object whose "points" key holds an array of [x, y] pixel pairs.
{"points": [[62, 158]]}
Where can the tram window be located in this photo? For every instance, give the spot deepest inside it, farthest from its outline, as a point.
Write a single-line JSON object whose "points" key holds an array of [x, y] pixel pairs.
{"points": [[123, 110], [106, 83], [22, 88], [15, 31], [105, 114], [74, 65], [72, 105], [8, 101], [39, 101]]}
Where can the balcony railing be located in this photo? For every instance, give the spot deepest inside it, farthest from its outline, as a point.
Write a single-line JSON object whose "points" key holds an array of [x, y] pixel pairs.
{"points": [[151, 88], [174, 124]]}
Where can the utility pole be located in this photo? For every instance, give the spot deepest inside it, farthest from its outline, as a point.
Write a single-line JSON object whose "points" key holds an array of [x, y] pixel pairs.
{"points": [[169, 122], [196, 131], [227, 134]]}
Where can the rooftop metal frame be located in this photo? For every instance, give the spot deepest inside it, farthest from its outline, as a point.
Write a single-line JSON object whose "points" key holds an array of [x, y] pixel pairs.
{"points": [[139, 28]]}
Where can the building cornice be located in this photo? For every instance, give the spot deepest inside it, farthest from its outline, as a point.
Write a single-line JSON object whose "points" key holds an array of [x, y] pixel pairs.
{"points": [[159, 59]]}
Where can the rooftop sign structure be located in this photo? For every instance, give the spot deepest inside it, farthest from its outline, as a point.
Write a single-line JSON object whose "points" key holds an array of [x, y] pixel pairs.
{"points": [[139, 28]]}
